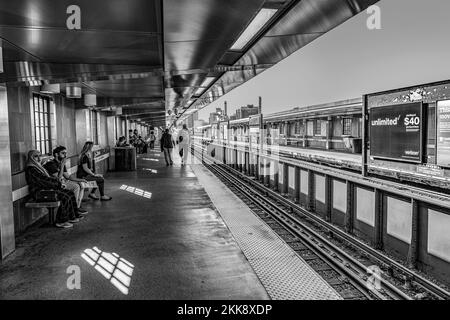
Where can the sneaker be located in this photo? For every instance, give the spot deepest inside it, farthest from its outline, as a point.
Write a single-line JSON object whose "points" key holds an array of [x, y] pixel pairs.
{"points": [[79, 216], [64, 225], [75, 220], [105, 198], [93, 196], [82, 211]]}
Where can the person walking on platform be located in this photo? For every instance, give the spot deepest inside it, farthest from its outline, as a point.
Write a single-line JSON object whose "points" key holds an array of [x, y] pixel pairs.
{"points": [[184, 140], [167, 146], [85, 172], [152, 139], [38, 179], [57, 168]]}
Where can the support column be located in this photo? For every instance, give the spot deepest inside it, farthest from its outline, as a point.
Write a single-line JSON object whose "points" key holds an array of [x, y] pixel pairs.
{"points": [[329, 132], [297, 185], [7, 237], [305, 131], [365, 134], [284, 191], [328, 197], [413, 247], [311, 201], [349, 215], [378, 236]]}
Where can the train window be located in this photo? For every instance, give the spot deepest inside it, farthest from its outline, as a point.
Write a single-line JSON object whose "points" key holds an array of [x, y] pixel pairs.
{"points": [[317, 127], [42, 124], [347, 126]]}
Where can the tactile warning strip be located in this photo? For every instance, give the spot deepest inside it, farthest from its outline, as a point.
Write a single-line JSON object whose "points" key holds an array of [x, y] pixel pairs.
{"points": [[284, 274]]}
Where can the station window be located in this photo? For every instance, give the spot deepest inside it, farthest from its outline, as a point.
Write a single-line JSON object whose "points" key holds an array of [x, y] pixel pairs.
{"points": [[42, 124], [297, 127], [347, 126], [317, 127]]}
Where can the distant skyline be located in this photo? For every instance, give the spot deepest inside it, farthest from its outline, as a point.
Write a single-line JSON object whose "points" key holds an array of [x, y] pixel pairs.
{"points": [[351, 60]]}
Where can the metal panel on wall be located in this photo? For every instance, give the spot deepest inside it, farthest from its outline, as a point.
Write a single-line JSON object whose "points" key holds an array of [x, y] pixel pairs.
{"points": [[443, 133], [7, 238]]}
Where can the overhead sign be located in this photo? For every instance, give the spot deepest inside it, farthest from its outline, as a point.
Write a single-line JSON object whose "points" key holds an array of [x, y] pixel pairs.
{"points": [[396, 132], [443, 133]]}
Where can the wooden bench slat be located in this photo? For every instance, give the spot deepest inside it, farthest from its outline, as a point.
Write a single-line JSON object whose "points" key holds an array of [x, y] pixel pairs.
{"points": [[54, 204]]}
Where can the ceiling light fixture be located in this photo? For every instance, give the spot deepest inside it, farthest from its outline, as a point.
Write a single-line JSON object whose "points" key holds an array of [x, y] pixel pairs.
{"points": [[260, 20], [51, 88]]}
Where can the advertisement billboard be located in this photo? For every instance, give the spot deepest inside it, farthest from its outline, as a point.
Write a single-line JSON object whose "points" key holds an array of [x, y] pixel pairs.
{"points": [[396, 132], [443, 133]]}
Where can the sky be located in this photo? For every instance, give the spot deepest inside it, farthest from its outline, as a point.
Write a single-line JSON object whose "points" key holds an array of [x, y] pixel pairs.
{"points": [[412, 47]]}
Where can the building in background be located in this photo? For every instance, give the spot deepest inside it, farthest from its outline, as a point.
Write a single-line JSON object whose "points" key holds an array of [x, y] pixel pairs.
{"points": [[246, 111]]}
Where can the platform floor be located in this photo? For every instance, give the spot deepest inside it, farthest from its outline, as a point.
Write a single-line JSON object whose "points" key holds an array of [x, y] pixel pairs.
{"points": [[161, 237], [176, 243]]}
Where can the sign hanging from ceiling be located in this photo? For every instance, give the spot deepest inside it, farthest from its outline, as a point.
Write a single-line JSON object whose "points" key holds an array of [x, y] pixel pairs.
{"points": [[443, 133], [396, 132]]}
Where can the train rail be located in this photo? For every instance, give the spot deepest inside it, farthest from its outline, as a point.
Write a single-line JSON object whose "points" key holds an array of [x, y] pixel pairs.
{"points": [[329, 250]]}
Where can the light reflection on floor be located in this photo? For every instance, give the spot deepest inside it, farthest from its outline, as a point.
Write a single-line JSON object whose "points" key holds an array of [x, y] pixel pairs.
{"points": [[151, 170], [114, 268], [136, 191], [150, 159]]}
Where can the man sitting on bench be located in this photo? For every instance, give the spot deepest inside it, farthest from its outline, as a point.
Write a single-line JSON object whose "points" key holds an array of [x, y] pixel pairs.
{"points": [[57, 168]]}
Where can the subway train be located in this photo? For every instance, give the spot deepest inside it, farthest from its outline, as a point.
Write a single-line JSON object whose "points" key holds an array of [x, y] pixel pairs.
{"points": [[406, 136]]}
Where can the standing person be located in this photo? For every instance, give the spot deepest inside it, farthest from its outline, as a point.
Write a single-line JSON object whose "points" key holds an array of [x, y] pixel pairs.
{"points": [[167, 146], [39, 179], [85, 172], [131, 137], [57, 168], [152, 140], [184, 140]]}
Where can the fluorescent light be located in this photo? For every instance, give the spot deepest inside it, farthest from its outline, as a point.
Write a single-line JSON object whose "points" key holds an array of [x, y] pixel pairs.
{"points": [[253, 28], [199, 91], [207, 81]]}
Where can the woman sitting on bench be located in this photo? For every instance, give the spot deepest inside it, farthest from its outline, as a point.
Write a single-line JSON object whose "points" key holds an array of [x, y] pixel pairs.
{"points": [[39, 179], [85, 172]]}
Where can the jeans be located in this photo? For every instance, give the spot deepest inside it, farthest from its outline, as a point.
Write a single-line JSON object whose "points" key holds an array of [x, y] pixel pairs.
{"points": [[100, 183], [168, 155]]}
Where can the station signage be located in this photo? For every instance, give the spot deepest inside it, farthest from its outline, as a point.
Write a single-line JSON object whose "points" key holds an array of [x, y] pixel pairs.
{"points": [[443, 133], [396, 132]]}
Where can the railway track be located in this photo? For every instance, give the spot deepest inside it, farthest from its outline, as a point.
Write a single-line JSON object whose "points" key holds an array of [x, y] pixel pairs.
{"points": [[342, 260]]}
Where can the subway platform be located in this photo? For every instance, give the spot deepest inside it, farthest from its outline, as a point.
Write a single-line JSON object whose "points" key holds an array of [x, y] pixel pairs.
{"points": [[169, 233]]}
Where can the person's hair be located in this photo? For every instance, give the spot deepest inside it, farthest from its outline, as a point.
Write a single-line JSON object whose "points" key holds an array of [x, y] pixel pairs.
{"points": [[121, 138], [151, 132], [58, 150], [166, 131], [131, 130], [184, 126], [86, 148]]}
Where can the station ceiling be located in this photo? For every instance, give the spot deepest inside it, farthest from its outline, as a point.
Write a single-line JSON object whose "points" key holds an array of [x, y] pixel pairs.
{"points": [[154, 57]]}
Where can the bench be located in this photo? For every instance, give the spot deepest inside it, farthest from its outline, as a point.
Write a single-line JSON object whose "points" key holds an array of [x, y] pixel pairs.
{"points": [[50, 206]]}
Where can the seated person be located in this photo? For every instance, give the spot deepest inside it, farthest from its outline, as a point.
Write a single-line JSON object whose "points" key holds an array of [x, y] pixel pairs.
{"points": [[85, 172], [39, 179], [57, 168]]}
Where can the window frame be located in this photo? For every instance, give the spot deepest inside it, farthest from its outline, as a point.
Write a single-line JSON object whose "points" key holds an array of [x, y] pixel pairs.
{"points": [[93, 117], [42, 124], [317, 127], [347, 126]]}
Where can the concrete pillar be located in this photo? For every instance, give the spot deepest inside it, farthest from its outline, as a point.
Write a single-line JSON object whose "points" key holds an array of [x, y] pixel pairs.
{"points": [[7, 237], [378, 229], [328, 197], [414, 245], [349, 215]]}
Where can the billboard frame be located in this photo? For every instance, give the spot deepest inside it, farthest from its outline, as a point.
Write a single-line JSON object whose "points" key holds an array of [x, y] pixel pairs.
{"points": [[436, 136]]}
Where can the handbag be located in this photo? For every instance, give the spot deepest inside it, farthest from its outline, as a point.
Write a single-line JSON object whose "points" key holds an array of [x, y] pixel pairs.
{"points": [[46, 196]]}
